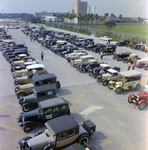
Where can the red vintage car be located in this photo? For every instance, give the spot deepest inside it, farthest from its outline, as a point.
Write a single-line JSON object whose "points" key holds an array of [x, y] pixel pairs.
{"points": [[140, 99]]}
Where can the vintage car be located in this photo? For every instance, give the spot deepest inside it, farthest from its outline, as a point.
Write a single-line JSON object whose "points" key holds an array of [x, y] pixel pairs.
{"points": [[99, 47], [132, 58], [145, 48], [142, 62], [121, 55], [140, 99], [75, 56], [60, 132], [85, 43], [68, 51], [84, 67], [31, 69], [109, 49], [40, 93], [82, 59], [37, 80], [97, 71], [47, 109], [18, 58], [132, 43], [16, 68], [106, 38], [68, 56], [123, 43], [62, 49], [138, 46], [127, 80], [110, 75]]}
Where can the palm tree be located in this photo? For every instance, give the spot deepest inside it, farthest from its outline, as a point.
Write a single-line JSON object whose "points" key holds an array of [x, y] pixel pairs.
{"points": [[91, 18], [96, 18]]}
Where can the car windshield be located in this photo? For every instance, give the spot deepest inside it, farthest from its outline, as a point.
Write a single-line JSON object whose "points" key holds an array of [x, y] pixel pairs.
{"points": [[146, 90]]}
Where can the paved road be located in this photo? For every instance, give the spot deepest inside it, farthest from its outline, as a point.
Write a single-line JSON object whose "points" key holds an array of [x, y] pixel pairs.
{"points": [[119, 125]]}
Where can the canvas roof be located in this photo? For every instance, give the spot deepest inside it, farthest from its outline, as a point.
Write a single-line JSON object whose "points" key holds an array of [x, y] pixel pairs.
{"points": [[131, 73]]}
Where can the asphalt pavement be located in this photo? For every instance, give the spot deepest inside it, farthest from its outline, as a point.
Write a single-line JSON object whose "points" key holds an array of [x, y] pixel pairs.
{"points": [[119, 125]]}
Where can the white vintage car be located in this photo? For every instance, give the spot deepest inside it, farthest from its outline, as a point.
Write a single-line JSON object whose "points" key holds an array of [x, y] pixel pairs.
{"points": [[142, 62], [106, 38]]}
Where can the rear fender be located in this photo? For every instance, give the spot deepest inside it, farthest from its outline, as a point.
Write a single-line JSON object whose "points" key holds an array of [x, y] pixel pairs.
{"points": [[140, 101]]}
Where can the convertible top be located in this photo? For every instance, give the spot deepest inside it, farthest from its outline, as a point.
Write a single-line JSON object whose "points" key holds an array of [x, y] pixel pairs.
{"points": [[35, 66], [37, 77], [52, 102], [131, 73], [61, 124]]}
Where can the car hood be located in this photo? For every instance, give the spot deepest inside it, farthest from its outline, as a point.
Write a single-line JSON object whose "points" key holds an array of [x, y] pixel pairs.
{"points": [[77, 60], [31, 113], [30, 98], [142, 95], [22, 78], [21, 71], [106, 75], [26, 86], [40, 141]]}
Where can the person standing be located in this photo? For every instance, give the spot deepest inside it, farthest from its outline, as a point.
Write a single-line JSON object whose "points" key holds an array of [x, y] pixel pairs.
{"points": [[101, 55], [42, 55], [129, 65], [133, 66]]}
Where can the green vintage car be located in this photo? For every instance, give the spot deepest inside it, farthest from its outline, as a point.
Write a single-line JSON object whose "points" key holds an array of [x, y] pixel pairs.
{"points": [[40, 93], [61, 131], [37, 80], [47, 109]]}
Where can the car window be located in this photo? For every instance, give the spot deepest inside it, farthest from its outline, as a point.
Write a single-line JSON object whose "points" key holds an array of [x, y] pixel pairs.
{"points": [[47, 111], [71, 132], [63, 107], [41, 94], [39, 68], [62, 135], [56, 109]]}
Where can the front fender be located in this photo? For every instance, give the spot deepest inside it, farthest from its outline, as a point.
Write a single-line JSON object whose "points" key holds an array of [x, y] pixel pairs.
{"points": [[21, 91], [130, 96], [28, 122]]}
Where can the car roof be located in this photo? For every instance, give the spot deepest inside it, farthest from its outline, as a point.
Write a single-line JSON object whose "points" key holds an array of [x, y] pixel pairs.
{"points": [[58, 101], [112, 71], [61, 124], [132, 55], [87, 56], [34, 66], [104, 65], [29, 63], [44, 88], [37, 77], [131, 73], [22, 55], [92, 61], [8, 41]]}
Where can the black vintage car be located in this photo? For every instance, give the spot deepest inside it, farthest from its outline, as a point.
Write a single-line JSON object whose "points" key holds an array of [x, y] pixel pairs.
{"points": [[138, 47], [123, 43], [91, 64], [121, 55], [109, 49], [47, 110], [85, 43], [98, 48], [69, 50], [97, 71]]}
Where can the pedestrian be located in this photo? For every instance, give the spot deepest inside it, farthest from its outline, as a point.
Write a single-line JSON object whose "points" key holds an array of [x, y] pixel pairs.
{"points": [[129, 65], [42, 55], [101, 55], [31, 38], [133, 66]]}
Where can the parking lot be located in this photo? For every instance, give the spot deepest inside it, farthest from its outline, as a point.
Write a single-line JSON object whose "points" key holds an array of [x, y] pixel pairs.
{"points": [[119, 125]]}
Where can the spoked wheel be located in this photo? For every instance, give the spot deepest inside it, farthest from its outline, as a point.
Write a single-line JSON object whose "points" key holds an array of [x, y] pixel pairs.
{"points": [[83, 139], [26, 108], [82, 70], [142, 105], [21, 94], [105, 83], [138, 86], [110, 86], [129, 100], [119, 90], [114, 57]]}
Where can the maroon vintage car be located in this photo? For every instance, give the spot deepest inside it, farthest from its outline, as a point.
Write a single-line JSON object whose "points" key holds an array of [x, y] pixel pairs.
{"points": [[140, 99]]}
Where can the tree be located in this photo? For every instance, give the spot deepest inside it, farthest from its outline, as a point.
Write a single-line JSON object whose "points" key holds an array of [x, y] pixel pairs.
{"points": [[120, 16], [110, 24], [96, 18], [106, 14], [91, 18]]}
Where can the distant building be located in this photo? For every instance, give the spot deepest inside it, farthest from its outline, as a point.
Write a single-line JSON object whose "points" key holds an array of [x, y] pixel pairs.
{"points": [[71, 11], [80, 7]]}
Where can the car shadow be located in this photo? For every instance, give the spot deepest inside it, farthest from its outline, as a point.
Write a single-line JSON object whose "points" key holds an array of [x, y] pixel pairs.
{"points": [[3, 129], [63, 92]]}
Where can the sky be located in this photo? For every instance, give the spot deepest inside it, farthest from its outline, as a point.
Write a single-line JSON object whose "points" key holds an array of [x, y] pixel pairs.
{"points": [[117, 7]]}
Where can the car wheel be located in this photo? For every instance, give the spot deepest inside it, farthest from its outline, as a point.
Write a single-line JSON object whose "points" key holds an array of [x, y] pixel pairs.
{"points": [[21, 94], [83, 139], [141, 66], [142, 105], [114, 57], [105, 83], [124, 61], [129, 100], [26, 108], [83, 70], [119, 90], [110, 86], [138, 86], [58, 85], [28, 127]]}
